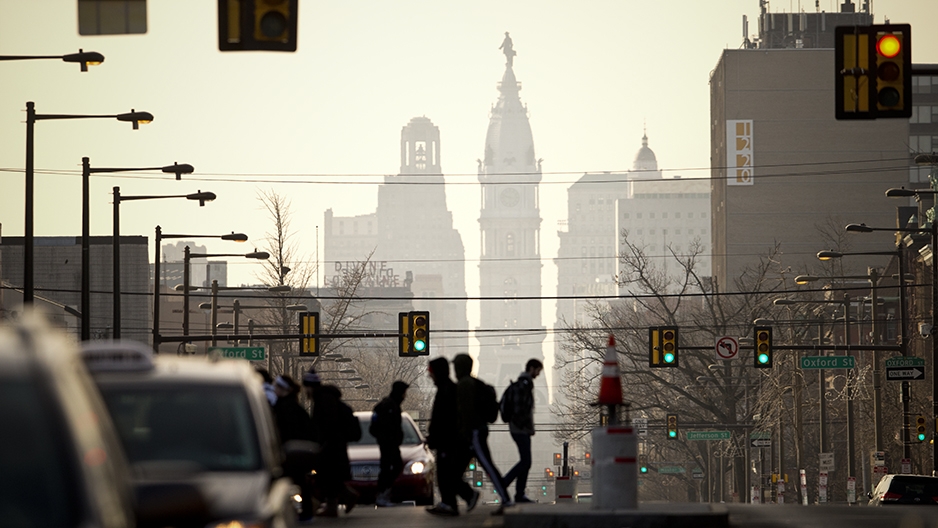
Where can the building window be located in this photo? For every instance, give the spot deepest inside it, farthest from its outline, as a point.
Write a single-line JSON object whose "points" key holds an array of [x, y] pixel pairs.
{"points": [[921, 114], [920, 143], [651, 231], [651, 215], [677, 215], [677, 231], [625, 215], [690, 215], [638, 232], [703, 215], [638, 215], [664, 215]]}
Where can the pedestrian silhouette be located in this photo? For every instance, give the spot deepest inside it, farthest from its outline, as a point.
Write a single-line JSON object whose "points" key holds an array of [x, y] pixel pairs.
{"points": [[386, 428], [518, 403]]}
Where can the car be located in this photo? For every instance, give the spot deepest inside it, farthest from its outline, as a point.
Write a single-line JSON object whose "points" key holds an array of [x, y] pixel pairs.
{"points": [[60, 463], [416, 481], [197, 422], [905, 489]]}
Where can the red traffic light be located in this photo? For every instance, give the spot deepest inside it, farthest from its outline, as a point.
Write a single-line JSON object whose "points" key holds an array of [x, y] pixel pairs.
{"points": [[888, 45]]}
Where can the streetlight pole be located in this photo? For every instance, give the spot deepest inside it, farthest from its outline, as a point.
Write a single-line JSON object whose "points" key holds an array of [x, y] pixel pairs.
{"points": [[202, 197], [235, 237], [28, 231], [930, 159], [187, 255]]}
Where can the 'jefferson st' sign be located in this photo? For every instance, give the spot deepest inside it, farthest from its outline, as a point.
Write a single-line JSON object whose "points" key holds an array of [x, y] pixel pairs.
{"points": [[828, 362]]}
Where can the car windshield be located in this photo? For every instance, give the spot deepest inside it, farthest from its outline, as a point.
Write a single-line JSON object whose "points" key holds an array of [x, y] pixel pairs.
{"points": [[411, 437], [210, 426], [37, 483]]}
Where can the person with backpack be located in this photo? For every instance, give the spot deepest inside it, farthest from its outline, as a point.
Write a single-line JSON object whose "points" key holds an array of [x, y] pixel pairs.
{"points": [[443, 437], [386, 428], [476, 407], [517, 409]]}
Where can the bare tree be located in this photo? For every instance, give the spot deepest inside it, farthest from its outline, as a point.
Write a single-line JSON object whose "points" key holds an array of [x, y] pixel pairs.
{"points": [[705, 395]]}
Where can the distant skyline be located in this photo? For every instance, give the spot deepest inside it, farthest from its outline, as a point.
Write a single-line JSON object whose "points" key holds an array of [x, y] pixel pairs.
{"points": [[322, 125]]}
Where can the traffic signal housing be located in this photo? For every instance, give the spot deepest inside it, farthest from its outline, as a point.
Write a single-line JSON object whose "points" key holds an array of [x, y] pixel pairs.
{"points": [[419, 333], [873, 71], [663, 346], [257, 25], [893, 70], [920, 433], [672, 426], [477, 479], [309, 327], [643, 464], [762, 347]]}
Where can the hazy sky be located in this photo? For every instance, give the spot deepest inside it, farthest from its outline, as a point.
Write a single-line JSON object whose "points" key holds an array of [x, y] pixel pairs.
{"points": [[318, 123]]}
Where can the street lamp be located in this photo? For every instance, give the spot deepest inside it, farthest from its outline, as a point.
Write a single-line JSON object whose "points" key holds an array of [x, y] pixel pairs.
{"points": [[237, 306], [235, 237], [86, 171], [187, 255], [202, 197], [903, 318], [929, 159], [84, 58], [133, 117]]}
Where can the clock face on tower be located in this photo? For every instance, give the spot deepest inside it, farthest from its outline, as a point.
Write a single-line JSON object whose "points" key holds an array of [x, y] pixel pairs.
{"points": [[509, 197]]}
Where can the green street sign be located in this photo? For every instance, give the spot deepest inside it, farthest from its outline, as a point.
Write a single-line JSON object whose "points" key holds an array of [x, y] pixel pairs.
{"points": [[671, 470], [248, 353], [905, 361], [828, 362], [707, 435]]}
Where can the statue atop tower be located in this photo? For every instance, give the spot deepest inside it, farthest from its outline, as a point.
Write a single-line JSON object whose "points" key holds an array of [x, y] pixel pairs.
{"points": [[508, 50]]}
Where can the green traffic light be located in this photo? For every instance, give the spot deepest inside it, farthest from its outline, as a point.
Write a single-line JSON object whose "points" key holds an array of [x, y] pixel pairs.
{"points": [[672, 433], [669, 358], [478, 483], [644, 469], [419, 345], [472, 467], [921, 437], [763, 358]]}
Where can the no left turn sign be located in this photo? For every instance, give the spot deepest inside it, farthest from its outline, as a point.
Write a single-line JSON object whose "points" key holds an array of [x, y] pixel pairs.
{"points": [[727, 347]]}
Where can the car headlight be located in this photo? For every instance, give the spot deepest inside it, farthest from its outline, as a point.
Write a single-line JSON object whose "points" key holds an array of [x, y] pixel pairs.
{"points": [[415, 467], [238, 524]]}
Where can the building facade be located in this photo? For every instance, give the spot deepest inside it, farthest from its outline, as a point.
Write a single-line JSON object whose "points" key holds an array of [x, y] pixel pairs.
{"points": [[409, 238]]}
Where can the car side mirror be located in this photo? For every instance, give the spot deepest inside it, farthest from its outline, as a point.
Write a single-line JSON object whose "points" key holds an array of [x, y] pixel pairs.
{"points": [[869, 495]]}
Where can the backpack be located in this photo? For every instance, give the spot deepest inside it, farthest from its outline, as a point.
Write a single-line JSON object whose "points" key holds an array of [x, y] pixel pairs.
{"points": [[509, 401], [487, 404]]}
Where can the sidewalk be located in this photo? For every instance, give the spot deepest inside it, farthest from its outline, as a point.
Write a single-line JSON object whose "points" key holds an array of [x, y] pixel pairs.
{"points": [[654, 515]]}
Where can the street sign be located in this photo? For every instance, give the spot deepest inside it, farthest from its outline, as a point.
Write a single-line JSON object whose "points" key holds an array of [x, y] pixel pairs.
{"points": [[670, 470], [697, 473], [905, 361], [906, 466], [905, 374], [248, 353], [708, 435], [727, 347], [826, 461], [760, 442], [851, 489], [641, 426], [828, 362], [760, 434]]}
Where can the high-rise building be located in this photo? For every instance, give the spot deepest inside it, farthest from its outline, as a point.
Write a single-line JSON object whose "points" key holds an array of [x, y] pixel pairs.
{"points": [[510, 221], [785, 171], [412, 238]]}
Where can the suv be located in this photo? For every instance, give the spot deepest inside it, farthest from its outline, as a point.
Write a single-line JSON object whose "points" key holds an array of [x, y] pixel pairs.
{"points": [[61, 462], [905, 489], [206, 424]]}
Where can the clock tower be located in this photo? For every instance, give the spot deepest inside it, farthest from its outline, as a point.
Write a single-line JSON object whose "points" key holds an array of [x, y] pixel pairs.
{"points": [[510, 220]]}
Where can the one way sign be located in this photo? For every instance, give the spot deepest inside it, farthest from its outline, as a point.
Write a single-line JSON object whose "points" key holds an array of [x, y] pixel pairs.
{"points": [[904, 373]]}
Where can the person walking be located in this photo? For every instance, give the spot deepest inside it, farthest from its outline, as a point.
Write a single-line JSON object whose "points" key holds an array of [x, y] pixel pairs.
{"points": [[294, 424], [443, 436], [334, 426], [386, 428], [472, 402], [519, 404]]}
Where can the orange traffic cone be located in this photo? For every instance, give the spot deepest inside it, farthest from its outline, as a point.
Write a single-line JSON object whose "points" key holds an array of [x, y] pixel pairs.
{"points": [[610, 387]]}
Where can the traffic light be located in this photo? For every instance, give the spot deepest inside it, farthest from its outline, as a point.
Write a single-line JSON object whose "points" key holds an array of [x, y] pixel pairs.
{"points": [[309, 327], [587, 456], [257, 25], [873, 67], [643, 463], [558, 459], [672, 427], [893, 71], [477, 479], [920, 428], [663, 346], [762, 347], [472, 465], [419, 333], [544, 490]]}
